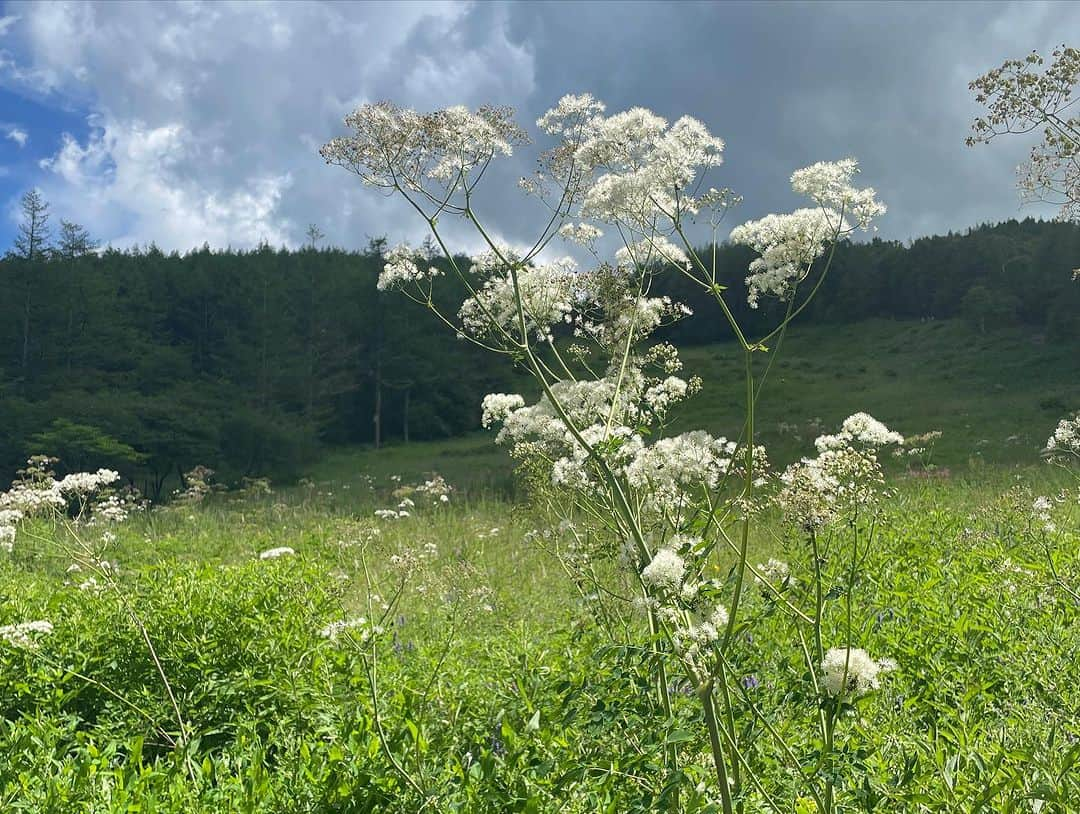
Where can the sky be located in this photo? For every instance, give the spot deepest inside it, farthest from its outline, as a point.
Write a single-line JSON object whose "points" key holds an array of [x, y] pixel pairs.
{"points": [[190, 123]]}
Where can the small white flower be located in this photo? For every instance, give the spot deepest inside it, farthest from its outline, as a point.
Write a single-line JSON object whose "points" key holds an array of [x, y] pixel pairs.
{"points": [[665, 571], [850, 674]]}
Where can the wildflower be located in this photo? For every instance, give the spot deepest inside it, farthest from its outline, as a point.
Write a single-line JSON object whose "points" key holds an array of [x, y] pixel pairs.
{"points": [[862, 428], [828, 183], [498, 406], [9, 520], [335, 629], [672, 467], [23, 634], [651, 250], [546, 292], [1065, 440], [851, 673], [274, 553], [665, 571], [392, 147], [584, 234], [789, 244], [776, 572], [845, 474], [1040, 512], [83, 483], [400, 269]]}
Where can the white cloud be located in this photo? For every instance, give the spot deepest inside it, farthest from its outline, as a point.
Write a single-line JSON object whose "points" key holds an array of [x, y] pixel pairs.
{"points": [[206, 118], [130, 173], [16, 134], [6, 23]]}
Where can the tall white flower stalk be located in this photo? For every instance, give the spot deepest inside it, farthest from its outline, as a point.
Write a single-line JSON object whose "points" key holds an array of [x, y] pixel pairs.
{"points": [[594, 445], [75, 514]]}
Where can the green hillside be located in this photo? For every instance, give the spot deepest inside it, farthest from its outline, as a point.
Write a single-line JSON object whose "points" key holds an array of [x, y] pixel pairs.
{"points": [[995, 398]]}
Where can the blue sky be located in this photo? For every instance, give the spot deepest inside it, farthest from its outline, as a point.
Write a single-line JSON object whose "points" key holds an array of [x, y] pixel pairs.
{"points": [[199, 122]]}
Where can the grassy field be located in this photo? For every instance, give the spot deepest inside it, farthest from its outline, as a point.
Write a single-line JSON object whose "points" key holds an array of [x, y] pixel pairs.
{"points": [[193, 676], [995, 398]]}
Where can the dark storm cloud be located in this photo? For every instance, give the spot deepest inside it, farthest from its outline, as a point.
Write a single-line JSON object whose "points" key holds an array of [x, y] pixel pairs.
{"points": [[789, 84]]}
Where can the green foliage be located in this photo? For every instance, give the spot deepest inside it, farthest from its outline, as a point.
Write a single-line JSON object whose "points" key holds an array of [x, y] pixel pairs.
{"points": [[538, 705], [80, 446], [250, 361], [982, 307], [244, 361]]}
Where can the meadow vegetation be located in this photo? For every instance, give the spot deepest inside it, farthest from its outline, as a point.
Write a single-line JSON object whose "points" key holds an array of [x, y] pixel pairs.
{"points": [[519, 699], [819, 611]]}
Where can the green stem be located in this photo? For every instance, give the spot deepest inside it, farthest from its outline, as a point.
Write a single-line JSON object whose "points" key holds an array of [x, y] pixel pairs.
{"points": [[719, 761]]}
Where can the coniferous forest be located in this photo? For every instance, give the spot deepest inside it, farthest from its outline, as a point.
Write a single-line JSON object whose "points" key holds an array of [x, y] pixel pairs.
{"points": [[253, 361]]}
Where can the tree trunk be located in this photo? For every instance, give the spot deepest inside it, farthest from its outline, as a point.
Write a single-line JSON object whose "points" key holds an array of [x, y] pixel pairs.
{"points": [[376, 418]]}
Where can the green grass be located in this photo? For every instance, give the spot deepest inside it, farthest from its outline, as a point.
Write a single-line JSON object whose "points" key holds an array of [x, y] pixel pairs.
{"points": [[502, 686], [519, 698], [995, 397]]}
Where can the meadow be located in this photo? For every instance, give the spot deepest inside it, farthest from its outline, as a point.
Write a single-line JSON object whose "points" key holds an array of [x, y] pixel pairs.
{"points": [[448, 660]]}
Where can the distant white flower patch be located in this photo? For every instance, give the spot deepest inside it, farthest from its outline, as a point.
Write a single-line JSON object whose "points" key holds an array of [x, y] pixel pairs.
{"points": [[23, 634]]}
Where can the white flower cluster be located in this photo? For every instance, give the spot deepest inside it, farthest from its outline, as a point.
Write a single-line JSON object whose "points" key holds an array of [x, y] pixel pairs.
{"points": [[275, 553], [33, 498], [1064, 443], [643, 166], [678, 597], [1041, 509], [9, 523], [828, 183], [584, 234], [672, 468], [400, 269], [666, 571], [655, 249], [845, 474], [436, 488], [850, 673], [789, 244], [627, 314], [775, 572], [860, 428], [397, 148], [497, 407], [39, 493], [547, 298], [360, 624], [84, 483], [24, 634], [197, 486]]}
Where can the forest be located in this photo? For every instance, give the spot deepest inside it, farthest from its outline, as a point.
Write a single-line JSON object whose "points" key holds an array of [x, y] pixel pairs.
{"points": [[252, 362]]}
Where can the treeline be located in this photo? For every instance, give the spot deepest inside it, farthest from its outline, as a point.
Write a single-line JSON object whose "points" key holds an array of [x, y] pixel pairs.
{"points": [[1016, 273], [246, 361], [252, 361]]}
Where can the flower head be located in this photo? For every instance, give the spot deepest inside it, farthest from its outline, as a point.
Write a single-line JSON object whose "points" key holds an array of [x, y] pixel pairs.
{"points": [[851, 673]]}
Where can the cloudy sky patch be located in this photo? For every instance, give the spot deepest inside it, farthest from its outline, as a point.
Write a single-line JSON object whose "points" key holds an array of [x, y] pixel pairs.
{"points": [[181, 124]]}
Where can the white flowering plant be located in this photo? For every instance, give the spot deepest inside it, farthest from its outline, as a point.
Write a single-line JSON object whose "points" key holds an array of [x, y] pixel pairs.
{"points": [[672, 510]]}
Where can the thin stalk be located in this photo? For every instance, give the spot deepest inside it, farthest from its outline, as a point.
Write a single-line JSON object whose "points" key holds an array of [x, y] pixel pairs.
{"points": [[719, 760]]}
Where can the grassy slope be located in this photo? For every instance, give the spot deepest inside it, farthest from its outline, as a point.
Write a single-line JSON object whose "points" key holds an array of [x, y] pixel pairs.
{"points": [[955, 592], [995, 397]]}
